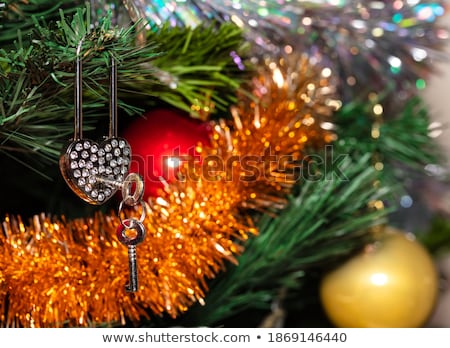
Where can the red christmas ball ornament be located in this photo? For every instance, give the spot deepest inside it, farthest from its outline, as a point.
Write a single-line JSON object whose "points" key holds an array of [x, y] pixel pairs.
{"points": [[161, 140]]}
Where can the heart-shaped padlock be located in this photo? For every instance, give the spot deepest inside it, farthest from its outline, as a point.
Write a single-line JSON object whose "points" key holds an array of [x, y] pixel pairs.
{"points": [[95, 170], [91, 169]]}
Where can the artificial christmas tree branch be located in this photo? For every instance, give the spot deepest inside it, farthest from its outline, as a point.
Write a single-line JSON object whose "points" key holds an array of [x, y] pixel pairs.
{"points": [[200, 67], [19, 16], [398, 150]]}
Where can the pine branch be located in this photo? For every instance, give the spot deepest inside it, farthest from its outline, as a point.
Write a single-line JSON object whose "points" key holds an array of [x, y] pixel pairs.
{"points": [[18, 16], [403, 144], [200, 64], [412, 148], [327, 221]]}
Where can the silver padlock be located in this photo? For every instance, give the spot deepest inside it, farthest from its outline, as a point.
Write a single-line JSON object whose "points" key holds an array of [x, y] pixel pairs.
{"points": [[91, 168]]}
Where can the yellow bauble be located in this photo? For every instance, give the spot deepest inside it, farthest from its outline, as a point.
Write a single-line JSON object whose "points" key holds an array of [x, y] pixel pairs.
{"points": [[393, 283]]}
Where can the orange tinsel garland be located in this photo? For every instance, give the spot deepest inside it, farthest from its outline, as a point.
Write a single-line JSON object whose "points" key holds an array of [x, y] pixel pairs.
{"points": [[71, 273]]}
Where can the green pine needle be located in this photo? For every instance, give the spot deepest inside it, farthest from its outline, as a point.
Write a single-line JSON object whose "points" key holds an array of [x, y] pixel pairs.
{"points": [[19, 16], [412, 148]]}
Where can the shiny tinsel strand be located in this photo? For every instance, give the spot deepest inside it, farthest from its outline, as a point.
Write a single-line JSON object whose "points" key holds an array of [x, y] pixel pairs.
{"points": [[374, 46]]}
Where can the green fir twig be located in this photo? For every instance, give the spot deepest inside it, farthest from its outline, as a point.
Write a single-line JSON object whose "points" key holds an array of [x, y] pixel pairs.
{"points": [[403, 143], [199, 61], [18, 16], [403, 136]]}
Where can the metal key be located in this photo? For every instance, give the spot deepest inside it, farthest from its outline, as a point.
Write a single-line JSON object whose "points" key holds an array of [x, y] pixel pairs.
{"points": [[131, 242]]}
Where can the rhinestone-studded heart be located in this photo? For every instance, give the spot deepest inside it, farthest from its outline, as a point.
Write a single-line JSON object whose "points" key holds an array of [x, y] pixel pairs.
{"points": [[93, 170]]}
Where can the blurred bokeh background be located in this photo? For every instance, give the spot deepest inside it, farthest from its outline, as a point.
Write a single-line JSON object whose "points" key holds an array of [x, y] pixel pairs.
{"points": [[437, 94]]}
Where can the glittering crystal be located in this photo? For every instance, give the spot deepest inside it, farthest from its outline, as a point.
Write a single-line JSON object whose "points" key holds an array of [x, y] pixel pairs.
{"points": [[108, 147], [81, 181], [86, 145], [84, 154], [101, 197], [109, 156], [85, 172], [120, 161], [121, 144], [108, 170], [78, 146], [94, 148], [88, 188], [89, 165], [126, 151], [73, 165], [92, 179], [93, 157], [113, 163], [101, 160], [77, 173], [94, 171], [94, 193], [123, 170], [81, 163], [74, 155], [101, 169], [126, 161], [114, 143], [101, 152], [116, 170], [117, 152], [108, 191]]}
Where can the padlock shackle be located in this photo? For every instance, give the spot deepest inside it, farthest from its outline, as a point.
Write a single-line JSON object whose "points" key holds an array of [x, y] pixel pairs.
{"points": [[78, 90], [113, 99]]}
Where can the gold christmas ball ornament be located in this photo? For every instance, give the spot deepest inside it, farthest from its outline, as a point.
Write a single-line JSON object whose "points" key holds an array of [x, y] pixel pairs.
{"points": [[392, 284]]}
